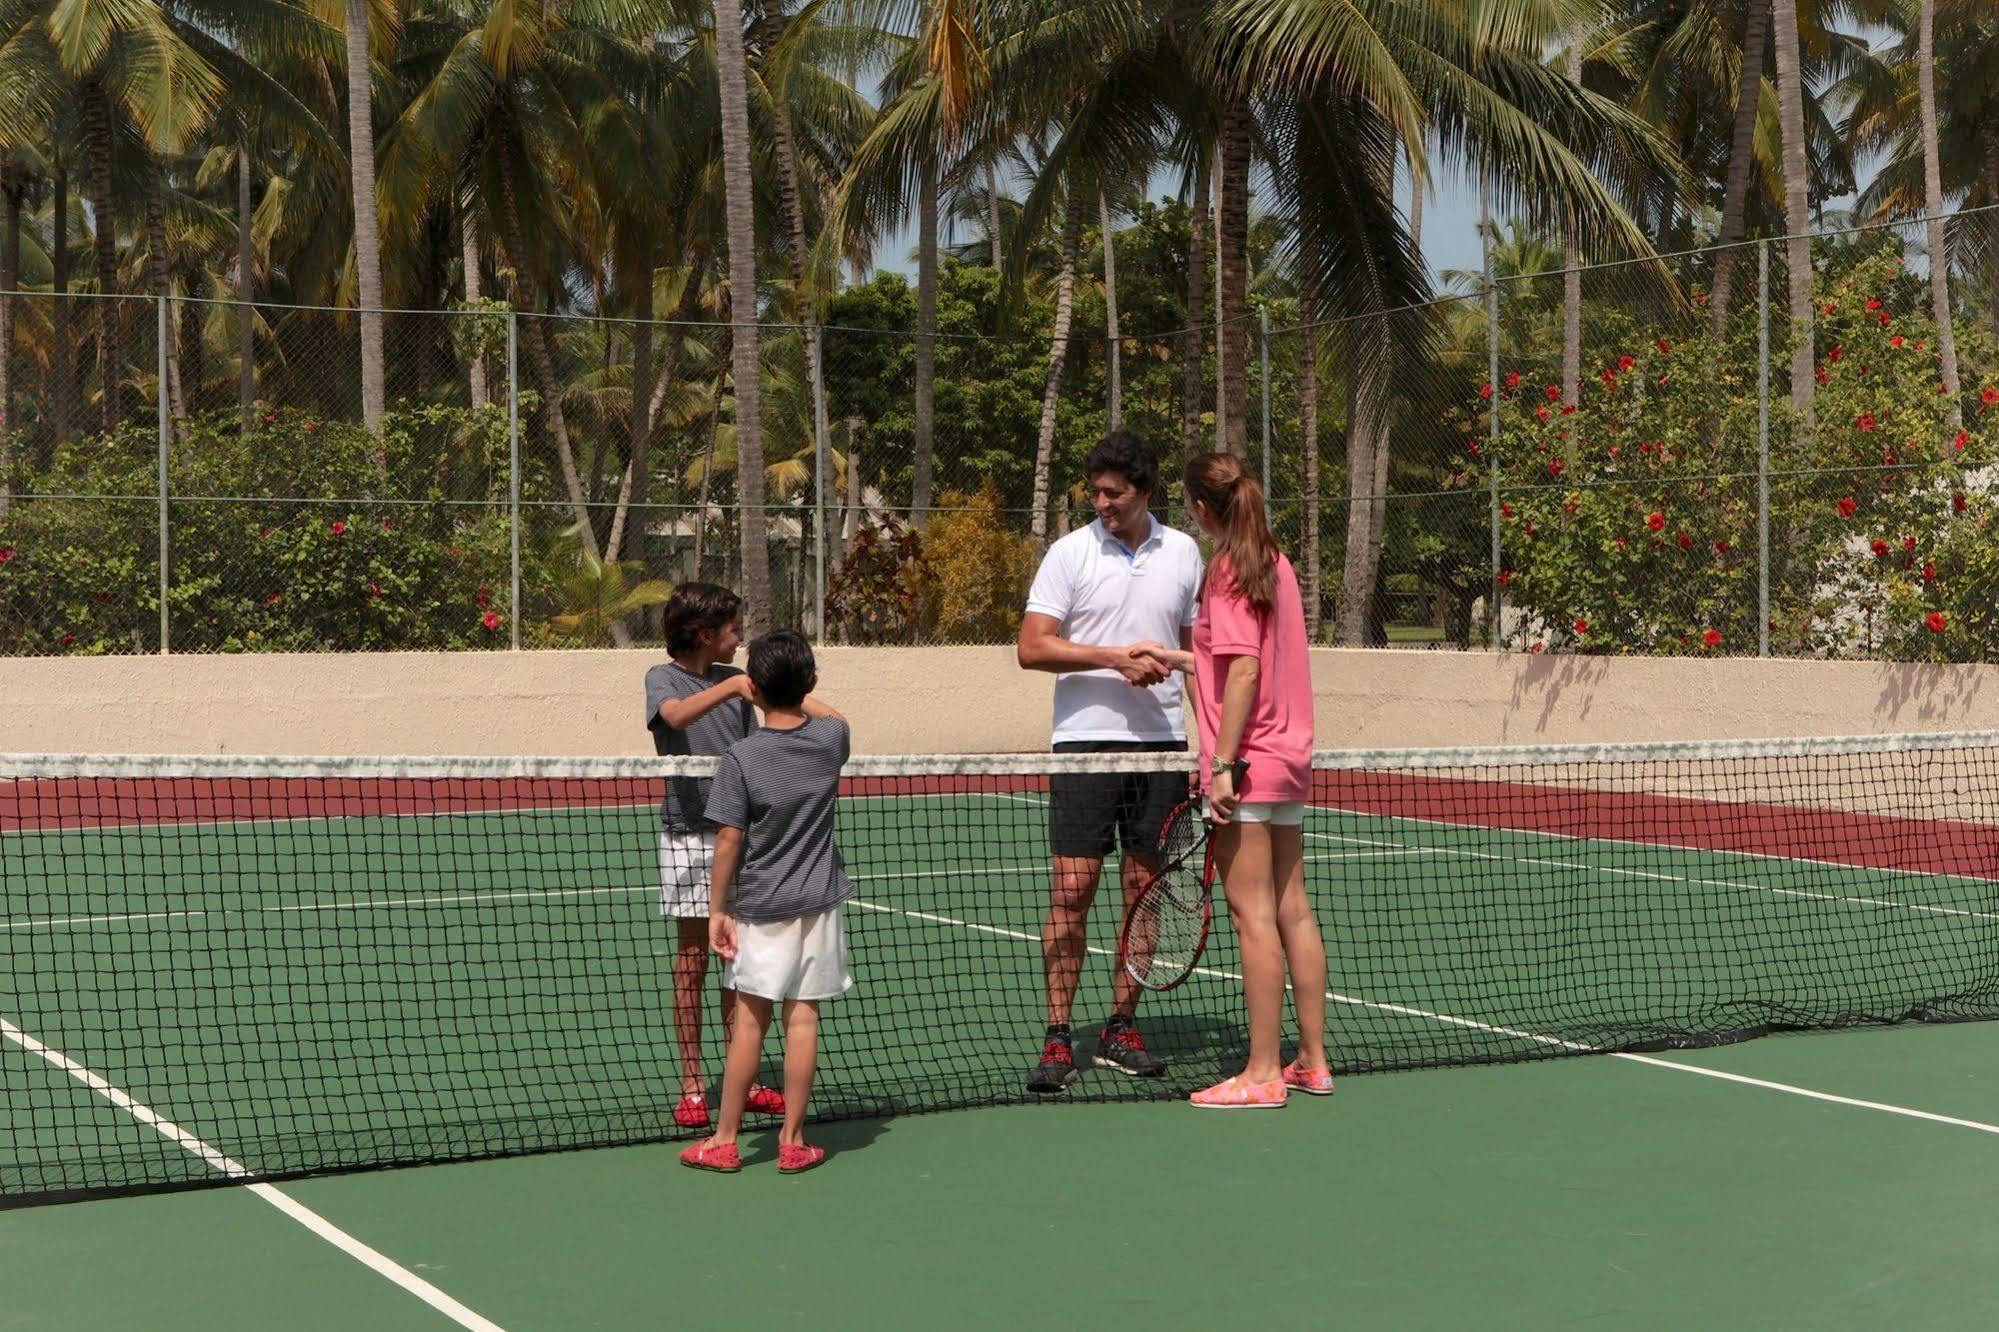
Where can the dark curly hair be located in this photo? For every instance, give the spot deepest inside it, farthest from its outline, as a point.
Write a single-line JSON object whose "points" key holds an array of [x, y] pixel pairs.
{"points": [[1130, 455], [695, 608]]}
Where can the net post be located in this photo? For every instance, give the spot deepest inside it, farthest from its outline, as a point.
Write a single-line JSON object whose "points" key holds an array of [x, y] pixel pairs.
{"points": [[818, 483], [165, 433], [1263, 359], [1763, 448], [1492, 403], [513, 482]]}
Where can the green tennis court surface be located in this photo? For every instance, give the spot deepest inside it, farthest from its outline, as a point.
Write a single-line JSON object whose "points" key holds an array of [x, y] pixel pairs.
{"points": [[293, 995]]}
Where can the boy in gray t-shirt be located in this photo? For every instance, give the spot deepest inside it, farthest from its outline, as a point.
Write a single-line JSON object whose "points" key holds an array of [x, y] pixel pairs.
{"points": [[696, 704], [779, 884]]}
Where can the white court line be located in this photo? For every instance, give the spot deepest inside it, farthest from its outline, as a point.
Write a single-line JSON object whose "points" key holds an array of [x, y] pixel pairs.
{"points": [[223, 1165], [1535, 1037]]}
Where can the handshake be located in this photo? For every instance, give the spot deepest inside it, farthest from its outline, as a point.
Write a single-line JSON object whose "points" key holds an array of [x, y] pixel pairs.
{"points": [[1146, 664]]}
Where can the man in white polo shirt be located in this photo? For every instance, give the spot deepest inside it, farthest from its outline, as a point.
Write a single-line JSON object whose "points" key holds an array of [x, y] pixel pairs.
{"points": [[1126, 578]]}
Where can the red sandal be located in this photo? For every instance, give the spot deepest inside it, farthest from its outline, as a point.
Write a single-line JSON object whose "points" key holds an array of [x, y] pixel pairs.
{"points": [[797, 1158], [723, 1158]]}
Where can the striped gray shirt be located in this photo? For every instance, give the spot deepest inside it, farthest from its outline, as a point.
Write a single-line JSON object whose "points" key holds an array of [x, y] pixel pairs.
{"points": [[780, 788]]}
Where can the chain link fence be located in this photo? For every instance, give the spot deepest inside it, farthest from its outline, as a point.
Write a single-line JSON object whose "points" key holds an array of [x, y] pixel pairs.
{"points": [[1601, 462]]}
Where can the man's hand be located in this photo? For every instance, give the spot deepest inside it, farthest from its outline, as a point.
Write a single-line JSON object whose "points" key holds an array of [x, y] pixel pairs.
{"points": [[722, 936], [1162, 657], [1222, 798], [1138, 671]]}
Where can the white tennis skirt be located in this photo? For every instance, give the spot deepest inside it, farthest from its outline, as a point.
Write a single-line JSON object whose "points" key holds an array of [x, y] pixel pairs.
{"points": [[792, 959], [685, 861]]}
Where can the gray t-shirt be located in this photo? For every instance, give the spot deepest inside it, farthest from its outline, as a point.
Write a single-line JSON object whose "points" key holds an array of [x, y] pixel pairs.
{"points": [[780, 787], [682, 811]]}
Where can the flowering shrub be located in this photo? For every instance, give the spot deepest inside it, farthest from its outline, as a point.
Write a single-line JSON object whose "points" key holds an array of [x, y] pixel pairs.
{"points": [[976, 571], [1633, 510]]}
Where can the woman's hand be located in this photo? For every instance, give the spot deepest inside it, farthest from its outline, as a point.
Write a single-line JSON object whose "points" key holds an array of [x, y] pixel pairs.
{"points": [[1163, 658], [722, 936], [1222, 797]]}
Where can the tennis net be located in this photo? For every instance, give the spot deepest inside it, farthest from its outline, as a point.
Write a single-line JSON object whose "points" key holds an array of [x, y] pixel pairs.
{"points": [[216, 969]]}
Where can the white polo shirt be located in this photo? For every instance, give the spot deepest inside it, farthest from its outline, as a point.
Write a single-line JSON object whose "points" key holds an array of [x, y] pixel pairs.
{"points": [[1104, 594]]}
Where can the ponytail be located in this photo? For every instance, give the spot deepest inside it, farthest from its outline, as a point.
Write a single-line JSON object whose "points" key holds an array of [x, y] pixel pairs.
{"points": [[1247, 549]]}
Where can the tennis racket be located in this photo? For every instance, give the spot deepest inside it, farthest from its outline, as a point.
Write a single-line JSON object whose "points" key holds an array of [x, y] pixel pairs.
{"points": [[1166, 928]]}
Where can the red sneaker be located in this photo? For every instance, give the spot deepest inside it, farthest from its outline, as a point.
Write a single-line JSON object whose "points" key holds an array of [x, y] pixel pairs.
{"points": [[796, 1159], [766, 1100], [723, 1159], [692, 1111]]}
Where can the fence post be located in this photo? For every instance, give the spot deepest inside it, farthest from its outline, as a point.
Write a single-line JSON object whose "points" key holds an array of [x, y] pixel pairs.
{"points": [[819, 483], [1492, 380], [1763, 448], [514, 481], [165, 431], [1263, 356]]}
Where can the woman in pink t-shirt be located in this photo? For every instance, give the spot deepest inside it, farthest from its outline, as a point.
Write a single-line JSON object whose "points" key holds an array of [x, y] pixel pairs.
{"points": [[1252, 691]]}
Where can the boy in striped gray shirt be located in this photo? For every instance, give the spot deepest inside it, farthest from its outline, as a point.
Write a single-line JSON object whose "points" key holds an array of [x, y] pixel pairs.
{"points": [[778, 886]]}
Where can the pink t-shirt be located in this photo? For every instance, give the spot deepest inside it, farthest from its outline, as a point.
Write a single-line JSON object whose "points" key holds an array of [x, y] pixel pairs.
{"points": [[1278, 739]]}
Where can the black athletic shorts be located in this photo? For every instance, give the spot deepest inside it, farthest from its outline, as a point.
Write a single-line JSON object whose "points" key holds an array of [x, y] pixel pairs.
{"points": [[1088, 814]]}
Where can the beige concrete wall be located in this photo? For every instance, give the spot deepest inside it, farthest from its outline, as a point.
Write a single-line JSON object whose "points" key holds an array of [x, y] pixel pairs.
{"points": [[932, 700]]}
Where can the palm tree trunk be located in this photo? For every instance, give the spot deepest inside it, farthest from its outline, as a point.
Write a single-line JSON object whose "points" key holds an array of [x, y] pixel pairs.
{"points": [[1215, 211], [537, 342], [993, 215], [468, 240], [1116, 348], [367, 231], [739, 188], [1367, 400], [676, 333], [1992, 224], [1308, 441], [1233, 262], [1058, 355], [1193, 342], [926, 344], [156, 263], [1741, 160], [246, 315], [104, 225], [1572, 273], [850, 525], [1415, 210], [1797, 205], [62, 362], [10, 279], [1926, 83], [632, 494], [1377, 530], [707, 475]]}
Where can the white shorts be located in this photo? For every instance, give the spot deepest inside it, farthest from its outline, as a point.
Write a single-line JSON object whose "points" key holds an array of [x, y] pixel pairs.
{"points": [[792, 959], [1280, 814], [685, 860]]}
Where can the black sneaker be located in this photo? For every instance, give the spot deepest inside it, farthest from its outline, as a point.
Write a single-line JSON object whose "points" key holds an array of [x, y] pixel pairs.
{"points": [[1056, 1070], [1122, 1048]]}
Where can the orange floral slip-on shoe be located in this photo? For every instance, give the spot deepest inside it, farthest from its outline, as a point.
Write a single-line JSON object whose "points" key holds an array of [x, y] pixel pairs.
{"points": [[1311, 1081], [722, 1158], [692, 1110], [1235, 1094], [766, 1100], [797, 1158]]}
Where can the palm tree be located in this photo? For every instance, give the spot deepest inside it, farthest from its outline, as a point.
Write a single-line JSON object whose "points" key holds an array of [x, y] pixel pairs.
{"points": [[1926, 79], [1741, 157], [739, 190], [1797, 205], [1572, 273], [1232, 272], [1058, 356], [1114, 349], [367, 232]]}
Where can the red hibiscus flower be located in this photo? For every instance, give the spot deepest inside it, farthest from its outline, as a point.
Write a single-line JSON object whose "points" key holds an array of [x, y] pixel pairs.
{"points": [[479, 600], [1686, 542], [1895, 341], [1512, 380], [1963, 438], [491, 619], [1865, 421], [1835, 353], [388, 526], [1541, 413], [1538, 647], [274, 598], [1936, 622], [1829, 307], [1846, 507], [1873, 304], [1655, 520], [1609, 378], [1885, 320], [1627, 362], [1712, 638], [6, 554], [69, 640], [1721, 547], [1582, 627], [1621, 542], [1957, 502], [1908, 543], [339, 528], [1506, 510], [1823, 375], [1880, 546], [1929, 572], [374, 589], [1555, 466], [1989, 396], [1554, 393], [1505, 577], [1485, 390], [1664, 345]]}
